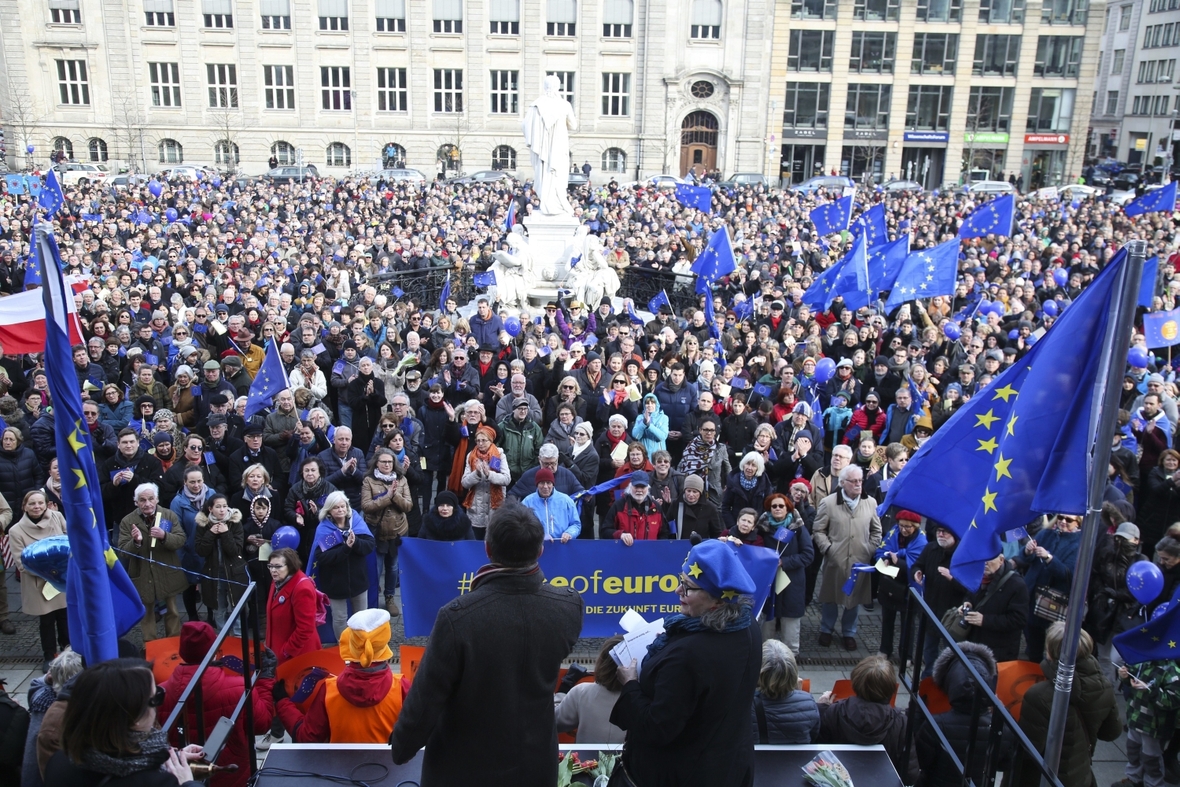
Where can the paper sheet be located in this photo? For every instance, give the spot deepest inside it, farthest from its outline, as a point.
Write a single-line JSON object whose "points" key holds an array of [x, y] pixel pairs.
{"points": [[620, 452], [50, 592], [724, 390], [781, 581], [264, 552], [887, 570], [639, 634]]}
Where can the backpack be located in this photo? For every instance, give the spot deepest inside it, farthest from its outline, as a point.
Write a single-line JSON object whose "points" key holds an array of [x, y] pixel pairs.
{"points": [[323, 606]]}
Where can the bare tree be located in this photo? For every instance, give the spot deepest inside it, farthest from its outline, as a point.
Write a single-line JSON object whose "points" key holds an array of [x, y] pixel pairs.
{"points": [[450, 155], [229, 123], [129, 129], [22, 115]]}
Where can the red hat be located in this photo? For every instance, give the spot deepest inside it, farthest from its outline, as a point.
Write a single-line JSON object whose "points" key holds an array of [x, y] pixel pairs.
{"points": [[802, 482], [545, 474], [908, 516], [196, 637]]}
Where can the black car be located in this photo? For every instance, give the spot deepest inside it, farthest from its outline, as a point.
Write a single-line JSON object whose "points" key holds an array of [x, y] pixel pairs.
{"points": [[578, 179], [292, 174], [1126, 180]]}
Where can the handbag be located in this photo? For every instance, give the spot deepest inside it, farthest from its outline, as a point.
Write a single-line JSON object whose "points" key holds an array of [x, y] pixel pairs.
{"points": [[952, 622], [1050, 604], [619, 776]]}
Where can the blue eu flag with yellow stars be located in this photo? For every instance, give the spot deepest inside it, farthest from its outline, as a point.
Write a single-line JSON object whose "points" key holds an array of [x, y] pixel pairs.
{"points": [[715, 261], [871, 224], [853, 282], [1156, 640], [833, 216], [925, 274], [819, 295], [271, 380], [1020, 447], [101, 601], [699, 197], [997, 217], [1153, 201]]}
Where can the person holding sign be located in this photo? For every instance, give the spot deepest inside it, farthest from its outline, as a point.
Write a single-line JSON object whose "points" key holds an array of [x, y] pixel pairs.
{"points": [[152, 537]]}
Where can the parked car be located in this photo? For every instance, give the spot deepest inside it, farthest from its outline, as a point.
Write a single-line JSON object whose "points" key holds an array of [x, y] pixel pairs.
{"points": [[577, 180], [483, 176], [902, 185], [988, 187], [128, 179], [186, 172], [1126, 180], [400, 175], [292, 174], [1078, 191], [824, 182], [666, 181], [740, 179], [73, 172]]}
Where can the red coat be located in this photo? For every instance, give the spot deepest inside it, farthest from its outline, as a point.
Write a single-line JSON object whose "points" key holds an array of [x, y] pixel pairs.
{"points": [[860, 417], [644, 522], [290, 618], [220, 692]]}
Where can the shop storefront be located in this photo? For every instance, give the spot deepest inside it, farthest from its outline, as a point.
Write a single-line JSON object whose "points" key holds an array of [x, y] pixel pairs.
{"points": [[863, 156], [986, 151], [802, 157], [924, 157], [1044, 160]]}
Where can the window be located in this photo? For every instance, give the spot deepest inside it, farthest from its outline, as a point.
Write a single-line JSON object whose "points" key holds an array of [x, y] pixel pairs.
{"points": [[566, 78], [284, 153], [940, 10], [63, 147], [1058, 56], [616, 18], [811, 50], [450, 156], [867, 107], [929, 108], [702, 88], [225, 153], [170, 152], [393, 94], [504, 157], [223, 85], [1155, 71], [336, 88], [391, 16], [813, 9], [806, 105], [877, 10], [1161, 35], [98, 149], [333, 14], [935, 53], [1050, 110], [65, 12], [165, 81], [990, 109], [276, 14], [1125, 18], [616, 94], [159, 13], [561, 17], [706, 19], [279, 82], [218, 13], [614, 160], [1001, 12], [862, 161], [1116, 62], [872, 53], [1112, 102], [1164, 5], [448, 90], [1065, 12], [996, 55], [505, 93], [339, 155], [72, 84], [448, 16], [505, 16]]}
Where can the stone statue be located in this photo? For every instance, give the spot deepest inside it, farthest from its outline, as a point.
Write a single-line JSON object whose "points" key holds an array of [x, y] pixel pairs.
{"points": [[514, 272], [592, 279], [547, 127]]}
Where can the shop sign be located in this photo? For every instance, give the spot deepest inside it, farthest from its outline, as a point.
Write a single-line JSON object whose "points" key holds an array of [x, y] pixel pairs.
{"points": [[927, 136], [986, 138], [1046, 139]]}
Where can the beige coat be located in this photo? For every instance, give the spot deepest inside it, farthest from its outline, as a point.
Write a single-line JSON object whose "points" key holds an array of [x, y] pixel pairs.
{"points": [[384, 506], [32, 588], [845, 537], [163, 578]]}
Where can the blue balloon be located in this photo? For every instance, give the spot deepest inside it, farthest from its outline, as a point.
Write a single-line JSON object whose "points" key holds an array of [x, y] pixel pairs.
{"points": [[985, 306], [48, 559], [951, 331], [1031, 340], [216, 183], [512, 325], [1061, 277], [156, 188], [590, 341], [1138, 357], [200, 174], [1051, 308], [171, 214], [825, 369], [1012, 334], [286, 537], [29, 149], [999, 309], [1161, 609], [1145, 581]]}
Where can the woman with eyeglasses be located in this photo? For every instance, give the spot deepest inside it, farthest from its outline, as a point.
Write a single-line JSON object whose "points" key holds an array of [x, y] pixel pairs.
{"points": [[290, 608], [568, 392], [614, 400]]}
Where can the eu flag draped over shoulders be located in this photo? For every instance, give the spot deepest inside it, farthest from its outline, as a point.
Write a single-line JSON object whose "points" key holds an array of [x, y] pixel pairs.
{"points": [[715, 261], [102, 603], [699, 197], [270, 381], [997, 217], [832, 217], [925, 274], [1020, 447], [1153, 201]]}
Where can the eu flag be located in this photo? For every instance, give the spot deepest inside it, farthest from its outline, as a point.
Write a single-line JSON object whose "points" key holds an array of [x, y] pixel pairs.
{"points": [[699, 197], [818, 295], [510, 219], [711, 316], [832, 217], [270, 381], [1020, 447], [1151, 272], [485, 279], [853, 282], [102, 603], [655, 303], [886, 261], [925, 274], [1162, 329], [1156, 640], [997, 217], [1153, 201], [715, 261], [871, 224], [51, 197], [445, 295]]}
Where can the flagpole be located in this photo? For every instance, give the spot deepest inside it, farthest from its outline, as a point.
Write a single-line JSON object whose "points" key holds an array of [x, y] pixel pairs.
{"points": [[1107, 385]]}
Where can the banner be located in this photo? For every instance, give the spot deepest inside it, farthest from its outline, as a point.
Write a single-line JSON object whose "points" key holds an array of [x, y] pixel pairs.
{"points": [[1162, 329], [610, 577]]}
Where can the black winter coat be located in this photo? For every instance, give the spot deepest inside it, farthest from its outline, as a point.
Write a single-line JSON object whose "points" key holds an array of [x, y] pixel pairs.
{"points": [[343, 571], [484, 688], [940, 593], [1005, 613], [62, 772], [865, 723], [953, 678], [19, 472], [1159, 507], [687, 717], [736, 497], [457, 527], [793, 719], [119, 500], [435, 448]]}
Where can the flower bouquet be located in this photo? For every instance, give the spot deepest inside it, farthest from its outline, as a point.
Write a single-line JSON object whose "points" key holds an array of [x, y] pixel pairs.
{"points": [[826, 770], [573, 770]]}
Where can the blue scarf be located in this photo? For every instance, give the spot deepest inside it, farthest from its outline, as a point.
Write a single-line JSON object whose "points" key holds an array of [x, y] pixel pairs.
{"points": [[682, 625], [747, 483]]}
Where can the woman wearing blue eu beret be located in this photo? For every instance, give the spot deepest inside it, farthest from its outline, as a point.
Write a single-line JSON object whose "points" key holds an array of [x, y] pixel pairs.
{"points": [[683, 707]]}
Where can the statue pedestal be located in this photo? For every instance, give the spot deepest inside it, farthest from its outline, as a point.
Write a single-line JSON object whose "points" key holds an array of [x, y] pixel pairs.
{"points": [[548, 238]]}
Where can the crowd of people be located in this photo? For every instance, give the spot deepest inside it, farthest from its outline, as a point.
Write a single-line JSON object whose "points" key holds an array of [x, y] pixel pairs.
{"points": [[422, 419]]}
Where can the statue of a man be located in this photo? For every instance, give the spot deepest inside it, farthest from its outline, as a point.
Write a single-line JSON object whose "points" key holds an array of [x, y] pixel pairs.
{"points": [[547, 127]]}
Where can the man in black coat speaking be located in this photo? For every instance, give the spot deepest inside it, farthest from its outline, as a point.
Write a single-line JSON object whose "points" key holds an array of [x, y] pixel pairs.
{"points": [[484, 690]]}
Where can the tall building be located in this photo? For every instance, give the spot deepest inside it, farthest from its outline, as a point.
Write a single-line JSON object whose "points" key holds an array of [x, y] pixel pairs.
{"points": [[658, 87], [1136, 98]]}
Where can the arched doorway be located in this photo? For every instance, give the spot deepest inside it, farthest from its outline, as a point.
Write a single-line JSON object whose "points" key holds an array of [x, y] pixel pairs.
{"points": [[698, 143]]}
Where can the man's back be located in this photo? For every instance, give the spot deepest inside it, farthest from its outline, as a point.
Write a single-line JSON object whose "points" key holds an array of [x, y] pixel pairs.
{"points": [[484, 690]]}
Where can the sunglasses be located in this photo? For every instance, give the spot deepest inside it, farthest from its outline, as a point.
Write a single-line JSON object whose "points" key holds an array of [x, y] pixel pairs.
{"points": [[157, 699]]}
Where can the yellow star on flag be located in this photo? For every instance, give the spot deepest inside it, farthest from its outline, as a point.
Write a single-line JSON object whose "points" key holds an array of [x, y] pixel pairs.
{"points": [[988, 445], [728, 594], [111, 559], [1005, 393], [694, 570], [986, 420], [1012, 425], [1171, 643], [75, 440], [81, 478], [1002, 467], [989, 501]]}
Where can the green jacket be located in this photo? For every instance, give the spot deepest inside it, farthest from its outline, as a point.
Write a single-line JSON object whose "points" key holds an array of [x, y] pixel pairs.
{"points": [[1152, 711], [521, 443]]}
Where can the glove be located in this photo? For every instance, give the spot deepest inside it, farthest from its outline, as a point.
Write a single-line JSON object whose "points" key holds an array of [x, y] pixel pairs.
{"points": [[574, 674], [269, 662], [279, 691]]}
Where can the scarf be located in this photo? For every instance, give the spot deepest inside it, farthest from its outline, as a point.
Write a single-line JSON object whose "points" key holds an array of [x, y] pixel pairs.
{"points": [[495, 491], [680, 625], [696, 459], [153, 752], [250, 495], [400, 456], [494, 570], [747, 483], [198, 499], [388, 479], [579, 448], [459, 461]]}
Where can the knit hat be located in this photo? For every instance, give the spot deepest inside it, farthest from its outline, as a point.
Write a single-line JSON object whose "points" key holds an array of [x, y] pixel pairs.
{"points": [[715, 567], [184, 368], [196, 637], [366, 639], [446, 498], [907, 516], [802, 407], [803, 482], [544, 475], [162, 437], [694, 481]]}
